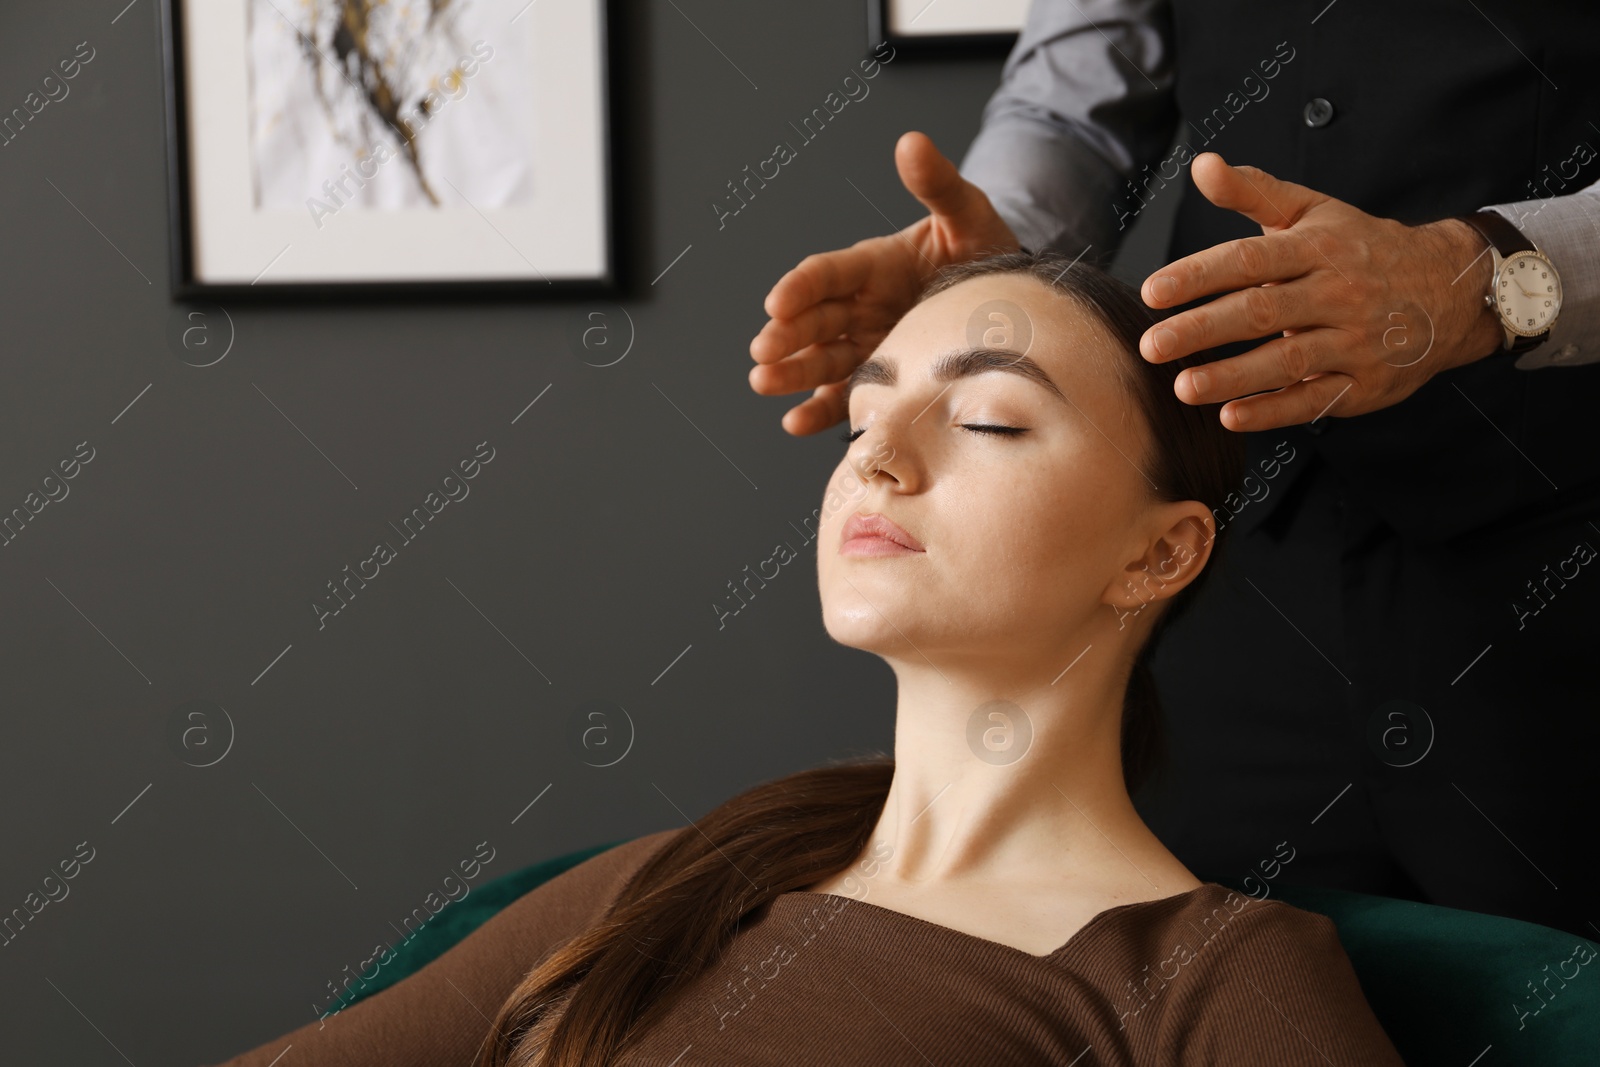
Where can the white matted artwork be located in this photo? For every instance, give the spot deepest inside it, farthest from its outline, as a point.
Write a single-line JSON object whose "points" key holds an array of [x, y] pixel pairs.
{"points": [[939, 21], [374, 144]]}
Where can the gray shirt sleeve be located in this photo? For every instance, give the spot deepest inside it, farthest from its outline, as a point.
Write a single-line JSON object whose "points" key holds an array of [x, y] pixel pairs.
{"points": [[1567, 229], [1085, 99]]}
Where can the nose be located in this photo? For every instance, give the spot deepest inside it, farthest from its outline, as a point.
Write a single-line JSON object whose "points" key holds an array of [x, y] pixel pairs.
{"points": [[875, 451], [901, 434]]}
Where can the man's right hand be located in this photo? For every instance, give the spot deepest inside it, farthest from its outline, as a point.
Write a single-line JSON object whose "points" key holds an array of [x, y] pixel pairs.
{"points": [[829, 313]]}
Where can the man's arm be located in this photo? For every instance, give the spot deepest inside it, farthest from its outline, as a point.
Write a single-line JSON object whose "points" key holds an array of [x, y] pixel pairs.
{"points": [[1567, 229], [1085, 100]]}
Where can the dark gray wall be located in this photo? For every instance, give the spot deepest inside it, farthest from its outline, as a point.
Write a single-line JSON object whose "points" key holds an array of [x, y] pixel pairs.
{"points": [[380, 750]]}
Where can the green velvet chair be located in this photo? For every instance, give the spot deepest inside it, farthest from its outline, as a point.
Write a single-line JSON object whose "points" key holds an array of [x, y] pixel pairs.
{"points": [[1452, 988]]}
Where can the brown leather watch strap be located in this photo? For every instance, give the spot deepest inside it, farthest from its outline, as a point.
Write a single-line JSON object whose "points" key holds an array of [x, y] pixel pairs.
{"points": [[1506, 238]]}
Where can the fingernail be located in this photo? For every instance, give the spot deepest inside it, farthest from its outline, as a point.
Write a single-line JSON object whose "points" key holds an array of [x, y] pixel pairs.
{"points": [[1164, 288], [1197, 382], [1241, 416], [1164, 340]]}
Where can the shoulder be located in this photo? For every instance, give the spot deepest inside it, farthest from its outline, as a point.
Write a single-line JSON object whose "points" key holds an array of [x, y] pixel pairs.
{"points": [[1221, 908], [534, 925], [581, 893], [1229, 931], [1213, 927], [1258, 980], [620, 862], [437, 1015]]}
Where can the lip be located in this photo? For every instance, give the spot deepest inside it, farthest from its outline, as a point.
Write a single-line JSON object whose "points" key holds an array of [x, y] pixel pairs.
{"points": [[871, 534]]}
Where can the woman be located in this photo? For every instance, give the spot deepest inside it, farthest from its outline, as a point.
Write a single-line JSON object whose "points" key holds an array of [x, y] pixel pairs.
{"points": [[1023, 507]]}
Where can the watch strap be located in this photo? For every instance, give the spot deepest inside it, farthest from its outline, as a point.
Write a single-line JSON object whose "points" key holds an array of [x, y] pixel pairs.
{"points": [[1498, 231], [1508, 241]]}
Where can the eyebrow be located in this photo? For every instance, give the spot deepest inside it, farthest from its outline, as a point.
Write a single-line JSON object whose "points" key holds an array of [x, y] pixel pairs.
{"points": [[953, 366]]}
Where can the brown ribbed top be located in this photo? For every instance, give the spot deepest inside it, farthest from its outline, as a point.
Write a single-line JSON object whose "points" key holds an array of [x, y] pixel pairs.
{"points": [[1206, 976]]}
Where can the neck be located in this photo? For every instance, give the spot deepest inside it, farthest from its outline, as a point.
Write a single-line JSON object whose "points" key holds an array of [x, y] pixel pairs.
{"points": [[1020, 786]]}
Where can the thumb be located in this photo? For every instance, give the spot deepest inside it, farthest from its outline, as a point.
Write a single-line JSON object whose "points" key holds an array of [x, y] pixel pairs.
{"points": [[934, 180], [1252, 192]]}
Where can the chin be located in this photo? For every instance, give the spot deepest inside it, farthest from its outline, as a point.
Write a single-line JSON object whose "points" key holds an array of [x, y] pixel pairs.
{"points": [[858, 625]]}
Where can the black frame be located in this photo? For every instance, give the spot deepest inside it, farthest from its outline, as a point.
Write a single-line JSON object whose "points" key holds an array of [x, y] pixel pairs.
{"points": [[181, 259], [933, 44]]}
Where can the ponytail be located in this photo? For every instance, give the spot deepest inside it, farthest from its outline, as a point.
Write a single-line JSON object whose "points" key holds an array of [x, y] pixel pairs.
{"points": [[680, 909]]}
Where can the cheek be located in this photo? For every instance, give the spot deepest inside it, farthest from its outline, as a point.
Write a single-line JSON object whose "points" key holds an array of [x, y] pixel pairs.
{"points": [[1044, 540], [1005, 550]]}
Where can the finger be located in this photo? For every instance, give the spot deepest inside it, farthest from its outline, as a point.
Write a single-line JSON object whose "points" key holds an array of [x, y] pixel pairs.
{"points": [[825, 408], [1313, 400], [1264, 260], [1242, 316], [812, 366], [816, 324], [1252, 192], [933, 179], [822, 276], [1278, 364]]}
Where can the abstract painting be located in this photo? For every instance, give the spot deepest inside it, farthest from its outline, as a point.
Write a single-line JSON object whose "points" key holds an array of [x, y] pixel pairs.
{"points": [[325, 146], [380, 90]]}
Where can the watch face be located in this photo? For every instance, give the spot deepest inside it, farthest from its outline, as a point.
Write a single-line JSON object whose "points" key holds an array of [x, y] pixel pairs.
{"points": [[1527, 293]]}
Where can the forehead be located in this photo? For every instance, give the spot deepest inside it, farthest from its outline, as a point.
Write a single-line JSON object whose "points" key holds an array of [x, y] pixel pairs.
{"points": [[1011, 312]]}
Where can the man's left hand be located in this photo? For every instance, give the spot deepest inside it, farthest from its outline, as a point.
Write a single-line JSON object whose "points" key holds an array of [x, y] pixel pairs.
{"points": [[1369, 308]]}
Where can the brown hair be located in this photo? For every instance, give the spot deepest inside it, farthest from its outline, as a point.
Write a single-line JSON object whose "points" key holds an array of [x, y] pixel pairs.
{"points": [[683, 905]]}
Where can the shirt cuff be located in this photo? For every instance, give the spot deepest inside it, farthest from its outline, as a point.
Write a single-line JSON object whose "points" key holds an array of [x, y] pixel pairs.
{"points": [[1567, 230]]}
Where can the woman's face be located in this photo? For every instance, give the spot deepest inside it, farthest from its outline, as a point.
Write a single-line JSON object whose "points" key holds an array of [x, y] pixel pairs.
{"points": [[1024, 536]]}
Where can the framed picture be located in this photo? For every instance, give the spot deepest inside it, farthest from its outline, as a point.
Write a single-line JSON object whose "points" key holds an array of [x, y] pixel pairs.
{"points": [[946, 25], [371, 148]]}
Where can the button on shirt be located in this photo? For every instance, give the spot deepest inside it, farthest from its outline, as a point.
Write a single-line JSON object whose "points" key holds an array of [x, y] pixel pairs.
{"points": [[1318, 112]]}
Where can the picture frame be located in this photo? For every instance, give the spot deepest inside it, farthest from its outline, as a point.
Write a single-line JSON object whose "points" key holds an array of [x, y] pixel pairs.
{"points": [[946, 26], [395, 162]]}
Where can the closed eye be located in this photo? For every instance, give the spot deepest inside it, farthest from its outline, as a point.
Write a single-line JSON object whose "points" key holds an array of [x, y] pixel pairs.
{"points": [[976, 427]]}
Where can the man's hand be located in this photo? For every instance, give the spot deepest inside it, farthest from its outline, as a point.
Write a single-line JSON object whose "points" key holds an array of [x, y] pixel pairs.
{"points": [[829, 313], [1369, 308]]}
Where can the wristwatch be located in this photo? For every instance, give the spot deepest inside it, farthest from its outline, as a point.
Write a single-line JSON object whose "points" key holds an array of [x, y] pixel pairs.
{"points": [[1524, 288]]}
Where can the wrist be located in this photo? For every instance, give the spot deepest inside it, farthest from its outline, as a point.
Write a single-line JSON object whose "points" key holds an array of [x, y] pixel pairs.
{"points": [[1466, 255]]}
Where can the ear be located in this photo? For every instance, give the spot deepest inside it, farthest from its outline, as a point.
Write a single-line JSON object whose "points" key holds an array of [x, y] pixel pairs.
{"points": [[1174, 557]]}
